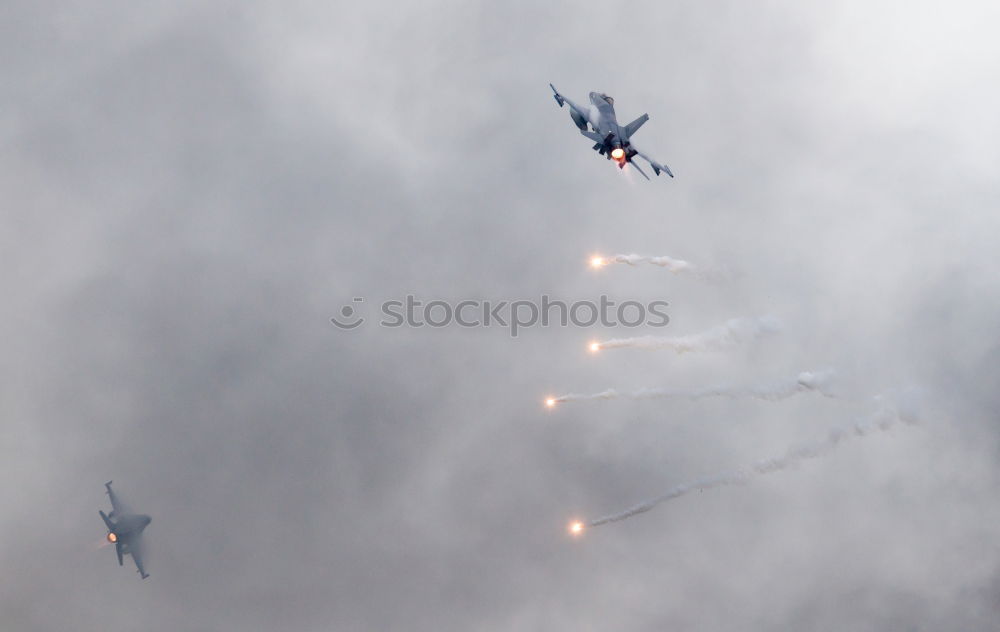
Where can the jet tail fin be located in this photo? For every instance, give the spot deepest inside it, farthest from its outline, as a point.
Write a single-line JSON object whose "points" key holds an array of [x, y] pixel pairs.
{"points": [[632, 127]]}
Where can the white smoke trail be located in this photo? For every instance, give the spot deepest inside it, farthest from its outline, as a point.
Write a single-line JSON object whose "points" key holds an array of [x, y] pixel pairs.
{"points": [[733, 332], [883, 419], [807, 381], [677, 266], [671, 264]]}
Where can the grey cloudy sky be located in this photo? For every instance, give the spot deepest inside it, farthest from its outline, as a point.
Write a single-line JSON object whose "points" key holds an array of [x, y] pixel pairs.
{"points": [[191, 191]]}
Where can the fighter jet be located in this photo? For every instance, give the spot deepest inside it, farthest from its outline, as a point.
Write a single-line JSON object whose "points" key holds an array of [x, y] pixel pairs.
{"points": [[125, 530], [597, 122]]}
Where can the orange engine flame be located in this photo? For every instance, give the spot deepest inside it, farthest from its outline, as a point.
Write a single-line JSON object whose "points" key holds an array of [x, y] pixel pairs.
{"points": [[618, 154], [575, 528], [112, 538]]}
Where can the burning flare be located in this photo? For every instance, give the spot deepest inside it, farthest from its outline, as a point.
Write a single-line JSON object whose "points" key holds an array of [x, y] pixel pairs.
{"points": [[550, 402], [597, 262], [595, 347], [575, 528]]}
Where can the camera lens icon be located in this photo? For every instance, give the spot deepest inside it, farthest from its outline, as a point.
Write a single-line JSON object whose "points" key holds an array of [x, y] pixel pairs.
{"points": [[348, 320]]}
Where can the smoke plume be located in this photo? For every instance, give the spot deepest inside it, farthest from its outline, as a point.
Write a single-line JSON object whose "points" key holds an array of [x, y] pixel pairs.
{"points": [[733, 332], [807, 381], [887, 416]]}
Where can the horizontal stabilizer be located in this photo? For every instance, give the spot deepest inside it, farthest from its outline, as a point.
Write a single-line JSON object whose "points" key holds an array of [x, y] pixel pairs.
{"points": [[635, 125]]}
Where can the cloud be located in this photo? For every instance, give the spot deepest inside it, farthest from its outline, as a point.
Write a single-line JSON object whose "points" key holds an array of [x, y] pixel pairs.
{"points": [[191, 192]]}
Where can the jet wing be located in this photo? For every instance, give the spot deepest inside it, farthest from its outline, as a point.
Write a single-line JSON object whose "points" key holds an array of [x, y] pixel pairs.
{"points": [[657, 167], [135, 548], [560, 99], [635, 166]]}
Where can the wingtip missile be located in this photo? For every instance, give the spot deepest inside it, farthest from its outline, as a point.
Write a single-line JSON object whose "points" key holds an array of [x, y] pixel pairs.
{"points": [[558, 97], [657, 168]]}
